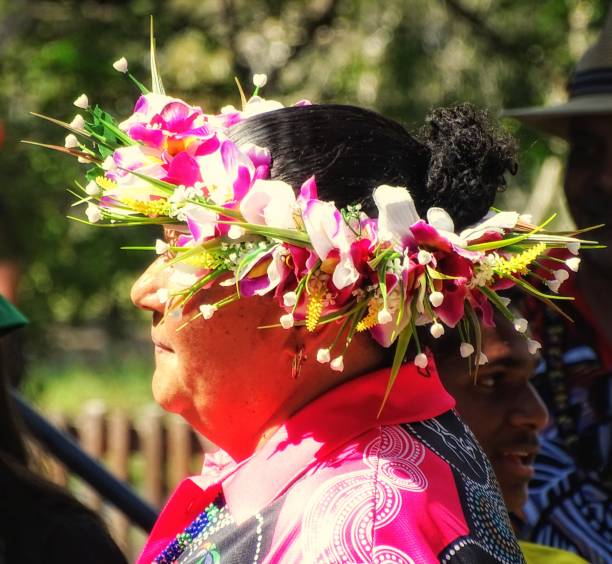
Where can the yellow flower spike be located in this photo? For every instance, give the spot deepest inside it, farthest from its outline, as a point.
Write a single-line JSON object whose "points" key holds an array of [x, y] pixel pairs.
{"points": [[518, 264], [314, 308], [203, 259], [371, 318], [105, 183], [152, 208]]}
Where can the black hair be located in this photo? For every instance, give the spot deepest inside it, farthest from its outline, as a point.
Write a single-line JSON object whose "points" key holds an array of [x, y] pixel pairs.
{"points": [[457, 161]]}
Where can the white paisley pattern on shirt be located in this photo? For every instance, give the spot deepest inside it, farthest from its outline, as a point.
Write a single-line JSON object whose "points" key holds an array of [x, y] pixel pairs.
{"points": [[341, 515]]}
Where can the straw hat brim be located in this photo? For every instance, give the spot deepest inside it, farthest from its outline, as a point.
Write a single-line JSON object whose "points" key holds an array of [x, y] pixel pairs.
{"points": [[555, 119]]}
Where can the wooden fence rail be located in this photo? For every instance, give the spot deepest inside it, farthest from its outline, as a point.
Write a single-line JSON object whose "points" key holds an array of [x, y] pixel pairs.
{"points": [[151, 450]]}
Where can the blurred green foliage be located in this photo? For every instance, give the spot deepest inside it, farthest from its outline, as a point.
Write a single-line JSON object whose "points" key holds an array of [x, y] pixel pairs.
{"points": [[401, 57]]}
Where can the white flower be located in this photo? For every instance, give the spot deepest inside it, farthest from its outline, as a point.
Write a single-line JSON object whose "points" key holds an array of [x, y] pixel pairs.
{"points": [[323, 356], [121, 65], [533, 346], [287, 321], [260, 80], [526, 218], [436, 298], [289, 299], [482, 359], [93, 213], [92, 189], [466, 349], [424, 257], [561, 275], [420, 360], [554, 285], [235, 232], [437, 330], [163, 295], [71, 141], [520, 324], [396, 212], [384, 317], [78, 122], [505, 301], [82, 102], [161, 247], [208, 310], [109, 163], [573, 247], [573, 263], [337, 364]]}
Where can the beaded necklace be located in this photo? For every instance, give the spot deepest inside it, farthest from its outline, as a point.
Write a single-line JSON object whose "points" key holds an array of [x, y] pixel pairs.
{"points": [[183, 540]]}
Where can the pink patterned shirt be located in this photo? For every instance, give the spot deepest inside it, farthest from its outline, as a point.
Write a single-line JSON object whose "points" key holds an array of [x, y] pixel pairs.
{"points": [[336, 484]]}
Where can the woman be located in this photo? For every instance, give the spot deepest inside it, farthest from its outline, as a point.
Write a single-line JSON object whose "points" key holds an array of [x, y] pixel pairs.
{"points": [[308, 472]]}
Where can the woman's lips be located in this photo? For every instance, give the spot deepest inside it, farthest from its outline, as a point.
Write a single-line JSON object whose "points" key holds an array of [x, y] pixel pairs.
{"points": [[160, 346]]}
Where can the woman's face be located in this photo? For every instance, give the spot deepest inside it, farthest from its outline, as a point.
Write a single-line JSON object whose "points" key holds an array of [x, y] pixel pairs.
{"points": [[206, 369]]}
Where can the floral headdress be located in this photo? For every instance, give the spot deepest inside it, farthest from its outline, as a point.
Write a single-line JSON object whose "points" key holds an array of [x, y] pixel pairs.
{"points": [[171, 163]]}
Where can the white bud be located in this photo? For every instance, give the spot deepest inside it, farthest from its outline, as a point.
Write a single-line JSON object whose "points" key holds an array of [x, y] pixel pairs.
{"points": [[83, 160], [466, 349], [260, 80], [71, 141], [420, 360], [337, 364], [573, 264], [82, 102], [384, 317], [235, 232], [121, 65], [573, 247], [287, 321], [93, 213], [520, 324], [208, 310], [78, 122], [92, 189], [424, 257], [436, 298], [161, 247], [505, 301], [561, 275], [163, 295], [482, 359], [553, 285], [436, 330], [109, 163], [526, 218], [323, 356], [289, 299], [533, 346]]}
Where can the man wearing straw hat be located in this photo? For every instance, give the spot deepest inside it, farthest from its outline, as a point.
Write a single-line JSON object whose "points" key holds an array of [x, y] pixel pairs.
{"points": [[569, 503]]}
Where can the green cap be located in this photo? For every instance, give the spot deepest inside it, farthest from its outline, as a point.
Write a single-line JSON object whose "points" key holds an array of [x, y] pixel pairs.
{"points": [[10, 317]]}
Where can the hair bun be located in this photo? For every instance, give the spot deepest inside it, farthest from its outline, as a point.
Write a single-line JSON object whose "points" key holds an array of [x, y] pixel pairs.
{"points": [[469, 157]]}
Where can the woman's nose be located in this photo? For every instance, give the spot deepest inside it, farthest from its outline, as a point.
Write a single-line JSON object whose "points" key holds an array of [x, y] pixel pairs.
{"points": [[144, 293], [530, 410]]}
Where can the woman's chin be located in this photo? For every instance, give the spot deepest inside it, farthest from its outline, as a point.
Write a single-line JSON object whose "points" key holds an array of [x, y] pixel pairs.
{"points": [[168, 393]]}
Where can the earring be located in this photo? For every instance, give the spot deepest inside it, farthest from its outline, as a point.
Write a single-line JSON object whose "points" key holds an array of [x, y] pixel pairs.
{"points": [[298, 360]]}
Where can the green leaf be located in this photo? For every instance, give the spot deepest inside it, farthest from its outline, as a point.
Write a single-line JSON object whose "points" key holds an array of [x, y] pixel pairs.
{"points": [[510, 241], [400, 351], [156, 82], [439, 276]]}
